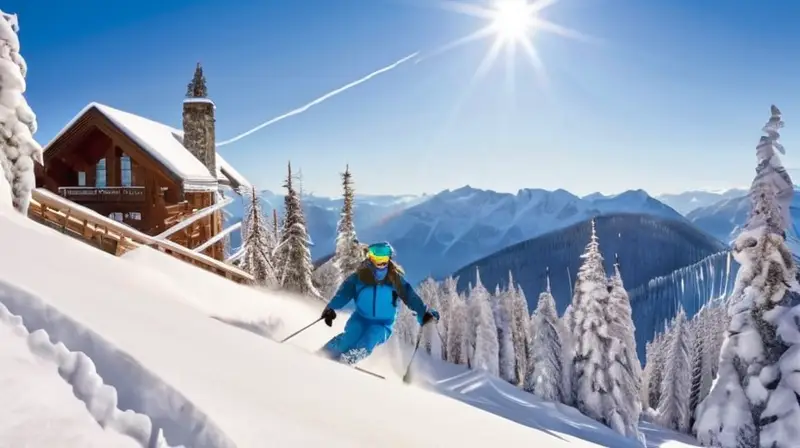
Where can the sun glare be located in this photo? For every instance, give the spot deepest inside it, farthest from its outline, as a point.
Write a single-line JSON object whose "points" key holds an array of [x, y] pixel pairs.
{"points": [[511, 24], [513, 20]]}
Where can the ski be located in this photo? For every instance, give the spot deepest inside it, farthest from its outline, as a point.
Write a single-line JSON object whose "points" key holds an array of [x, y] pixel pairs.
{"points": [[369, 373], [354, 366]]}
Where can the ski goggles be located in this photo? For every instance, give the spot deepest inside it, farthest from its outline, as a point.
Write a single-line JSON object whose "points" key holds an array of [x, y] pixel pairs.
{"points": [[379, 254]]}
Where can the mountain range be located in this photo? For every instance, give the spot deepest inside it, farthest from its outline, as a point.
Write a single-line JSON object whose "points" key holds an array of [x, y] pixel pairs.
{"points": [[724, 218], [688, 201], [437, 234], [455, 227]]}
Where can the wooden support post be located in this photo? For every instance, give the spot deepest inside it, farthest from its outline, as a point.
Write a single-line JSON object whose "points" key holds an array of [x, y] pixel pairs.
{"points": [[67, 215]]}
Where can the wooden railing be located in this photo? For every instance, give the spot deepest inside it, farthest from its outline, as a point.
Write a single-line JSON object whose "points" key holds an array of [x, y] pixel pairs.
{"points": [[114, 237]]}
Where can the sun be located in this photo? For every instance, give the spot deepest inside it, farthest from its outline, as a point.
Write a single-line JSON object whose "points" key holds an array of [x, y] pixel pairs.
{"points": [[513, 20], [512, 25]]}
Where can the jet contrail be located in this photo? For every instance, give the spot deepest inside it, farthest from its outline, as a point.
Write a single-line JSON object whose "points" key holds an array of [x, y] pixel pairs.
{"points": [[328, 95]]}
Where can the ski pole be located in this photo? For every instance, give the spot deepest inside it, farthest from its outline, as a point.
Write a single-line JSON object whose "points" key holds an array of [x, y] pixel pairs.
{"points": [[407, 375], [301, 330]]}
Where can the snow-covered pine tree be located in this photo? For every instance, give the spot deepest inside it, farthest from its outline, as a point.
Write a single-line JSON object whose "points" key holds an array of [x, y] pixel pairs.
{"points": [[673, 408], [718, 321], [326, 279], [429, 290], [520, 330], [484, 344], [591, 382], [18, 150], [644, 393], [544, 376], [655, 366], [406, 328], [569, 354], [504, 315], [348, 250], [753, 402], [702, 359], [257, 243], [276, 228], [625, 368], [457, 331], [697, 363], [293, 249], [447, 299]]}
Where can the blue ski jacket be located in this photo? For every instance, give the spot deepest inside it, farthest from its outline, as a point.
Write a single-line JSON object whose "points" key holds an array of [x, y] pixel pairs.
{"points": [[378, 301]]}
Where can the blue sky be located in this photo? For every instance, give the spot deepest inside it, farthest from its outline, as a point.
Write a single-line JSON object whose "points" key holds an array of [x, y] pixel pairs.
{"points": [[673, 98]]}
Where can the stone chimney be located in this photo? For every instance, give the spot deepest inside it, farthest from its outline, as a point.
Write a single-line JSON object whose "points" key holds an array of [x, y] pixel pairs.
{"points": [[198, 122]]}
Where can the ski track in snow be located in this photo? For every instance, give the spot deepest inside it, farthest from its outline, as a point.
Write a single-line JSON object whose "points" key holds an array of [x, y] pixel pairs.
{"points": [[40, 410]]}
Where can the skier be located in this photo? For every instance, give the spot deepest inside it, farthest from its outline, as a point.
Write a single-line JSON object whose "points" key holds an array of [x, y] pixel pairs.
{"points": [[374, 287]]}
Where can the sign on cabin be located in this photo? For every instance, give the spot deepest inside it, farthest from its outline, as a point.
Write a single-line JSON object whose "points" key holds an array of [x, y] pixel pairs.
{"points": [[105, 194]]}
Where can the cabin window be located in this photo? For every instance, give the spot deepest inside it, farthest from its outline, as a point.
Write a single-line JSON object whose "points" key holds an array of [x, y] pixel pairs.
{"points": [[135, 216], [81, 178], [127, 172], [100, 179], [116, 216]]}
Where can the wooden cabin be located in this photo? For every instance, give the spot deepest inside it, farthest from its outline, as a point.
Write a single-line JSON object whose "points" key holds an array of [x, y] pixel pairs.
{"points": [[142, 173]]}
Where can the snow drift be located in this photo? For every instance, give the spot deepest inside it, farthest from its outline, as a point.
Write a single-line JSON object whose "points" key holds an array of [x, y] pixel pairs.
{"points": [[20, 366]]}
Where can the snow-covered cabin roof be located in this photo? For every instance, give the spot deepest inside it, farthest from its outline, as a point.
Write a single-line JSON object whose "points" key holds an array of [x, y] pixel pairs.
{"points": [[165, 144]]}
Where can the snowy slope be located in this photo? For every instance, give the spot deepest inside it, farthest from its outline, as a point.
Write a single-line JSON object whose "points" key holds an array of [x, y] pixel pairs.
{"points": [[144, 321]]}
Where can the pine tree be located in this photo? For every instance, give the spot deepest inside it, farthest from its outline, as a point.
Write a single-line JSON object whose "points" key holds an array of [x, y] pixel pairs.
{"points": [[429, 291], [447, 301], [504, 315], [673, 409], [349, 254], [655, 366], [257, 243], [625, 368], [293, 251], [592, 341], [646, 374], [197, 86], [568, 354], [544, 376], [753, 401], [520, 330], [484, 344], [697, 361], [457, 331], [718, 321], [18, 150], [326, 279], [276, 232]]}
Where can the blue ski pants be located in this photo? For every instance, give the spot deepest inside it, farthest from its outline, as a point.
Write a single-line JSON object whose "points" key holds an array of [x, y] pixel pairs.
{"points": [[359, 339]]}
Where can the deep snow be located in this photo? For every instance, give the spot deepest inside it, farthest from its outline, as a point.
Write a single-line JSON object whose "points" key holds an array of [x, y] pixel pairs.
{"points": [[39, 407], [160, 332]]}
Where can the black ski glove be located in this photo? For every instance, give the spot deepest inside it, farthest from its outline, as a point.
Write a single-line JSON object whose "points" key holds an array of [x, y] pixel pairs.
{"points": [[428, 316], [329, 315]]}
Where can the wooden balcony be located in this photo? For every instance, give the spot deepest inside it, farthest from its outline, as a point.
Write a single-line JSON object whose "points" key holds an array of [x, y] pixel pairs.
{"points": [[89, 195]]}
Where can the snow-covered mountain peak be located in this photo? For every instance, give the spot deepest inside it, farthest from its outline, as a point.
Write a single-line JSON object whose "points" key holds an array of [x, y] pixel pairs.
{"points": [[457, 226]]}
